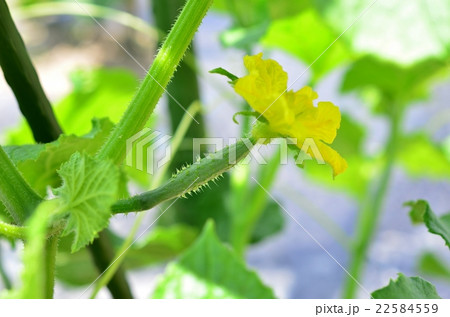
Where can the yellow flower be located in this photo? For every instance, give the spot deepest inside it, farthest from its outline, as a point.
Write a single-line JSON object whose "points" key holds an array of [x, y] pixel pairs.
{"points": [[291, 114]]}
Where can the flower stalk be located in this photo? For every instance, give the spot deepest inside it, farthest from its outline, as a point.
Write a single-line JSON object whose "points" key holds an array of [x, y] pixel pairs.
{"points": [[190, 179]]}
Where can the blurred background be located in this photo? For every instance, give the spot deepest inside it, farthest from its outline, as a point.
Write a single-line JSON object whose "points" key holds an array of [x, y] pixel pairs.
{"points": [[384, 63]]}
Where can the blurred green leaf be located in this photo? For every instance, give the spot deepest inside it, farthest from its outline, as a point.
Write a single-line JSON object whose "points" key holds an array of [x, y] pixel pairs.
{"points": [[407, 288], [404, 32], [393, 81], [431, 264], [96, 94], [162, 244], [306, 36], [242, 37], [269, 223], [422, 213], [421, 157], [75, 269], [208, 269], [88, 190]]}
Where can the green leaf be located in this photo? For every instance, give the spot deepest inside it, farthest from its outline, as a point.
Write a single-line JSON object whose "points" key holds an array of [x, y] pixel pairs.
{"points": [[295, 36], [269, 223], [400, 31], [407, 288], [89, 189], [75, 269], [224, 72], [162, 244], [393, 81], [431, 264], [208, 269], [38, 162], [422, 213], [417, 151], [96, 93]]}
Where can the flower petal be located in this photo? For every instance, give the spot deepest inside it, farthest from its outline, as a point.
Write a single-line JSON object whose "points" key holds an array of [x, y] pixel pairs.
{"points": [[263, 89], [321, 122], [332, 158]]}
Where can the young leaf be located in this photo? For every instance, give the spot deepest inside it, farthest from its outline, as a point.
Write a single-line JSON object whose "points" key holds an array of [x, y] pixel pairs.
{"points": [[208, 269], [422, 213], [407, 288], [89, 189]]}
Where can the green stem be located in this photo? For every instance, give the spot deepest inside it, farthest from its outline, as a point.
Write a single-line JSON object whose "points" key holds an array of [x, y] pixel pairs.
{"points": [[189, 179], [51, 248], [156, 181], [370, 216], [152, 88], [12, 231], [24, 81], [18, 197], [184, 86]]}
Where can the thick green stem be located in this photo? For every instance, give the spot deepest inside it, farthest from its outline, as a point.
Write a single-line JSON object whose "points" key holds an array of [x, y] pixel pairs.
{"points": [[184, 86], [12, 231], [189, 179], [152, 88], [371, 212], [15, 193], [23, 80], [51, 248]]}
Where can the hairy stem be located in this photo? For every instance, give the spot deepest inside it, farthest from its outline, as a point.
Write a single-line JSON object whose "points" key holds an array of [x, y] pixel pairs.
{"points": [[156, 181], [24, 81], [153, 86], [12, 231], [371, 212], [189, 179], [51, 248], [15, 193]]}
